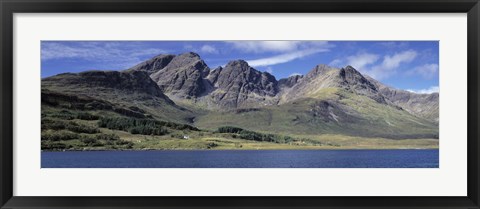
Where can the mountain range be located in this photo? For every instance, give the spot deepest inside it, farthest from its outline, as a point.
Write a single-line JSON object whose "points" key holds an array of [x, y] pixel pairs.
{"points": [[183, 88]]}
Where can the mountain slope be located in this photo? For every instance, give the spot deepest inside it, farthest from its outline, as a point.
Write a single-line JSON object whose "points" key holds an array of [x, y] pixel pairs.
{"points": [[332, 111], [124, 90], [323, 76], [422, 105], [327, 101]]}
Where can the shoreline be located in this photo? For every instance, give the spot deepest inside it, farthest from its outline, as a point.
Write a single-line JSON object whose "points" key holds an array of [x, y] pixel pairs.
{"points": [[325, 149]]}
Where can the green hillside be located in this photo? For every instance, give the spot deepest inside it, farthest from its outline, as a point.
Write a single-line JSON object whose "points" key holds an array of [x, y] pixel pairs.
{"points": [[328, 111]]}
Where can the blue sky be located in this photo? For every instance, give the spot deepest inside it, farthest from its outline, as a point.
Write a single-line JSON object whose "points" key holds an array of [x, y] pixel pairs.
{"points": [[409, 65]]}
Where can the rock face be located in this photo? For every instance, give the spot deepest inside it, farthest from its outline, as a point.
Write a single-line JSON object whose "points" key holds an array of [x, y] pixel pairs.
{"points": [[239, 85], [285, 83], [155, 64], [352, 79], [187, 77], [422, 105], [213, 76], [183, 76]]}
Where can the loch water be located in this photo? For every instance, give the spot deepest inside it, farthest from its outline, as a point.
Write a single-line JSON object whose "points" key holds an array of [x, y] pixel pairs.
{"points": [[411, 158]]}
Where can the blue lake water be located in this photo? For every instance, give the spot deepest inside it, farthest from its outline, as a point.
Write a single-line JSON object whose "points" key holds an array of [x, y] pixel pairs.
{"points": [[243, 159]]}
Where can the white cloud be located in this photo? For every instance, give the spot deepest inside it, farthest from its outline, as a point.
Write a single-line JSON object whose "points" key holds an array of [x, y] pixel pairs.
{"points": [[283, 58], [209, 49], [277, 46], [111, 55], [374, 65], [394, 61], [389, 65], [336, 63], [265, 46], [432, 89], [285, 51], [427, 71], [360, 60]]}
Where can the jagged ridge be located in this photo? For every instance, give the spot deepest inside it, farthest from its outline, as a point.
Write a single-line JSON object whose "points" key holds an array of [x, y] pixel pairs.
{"points": [[237, 85]]}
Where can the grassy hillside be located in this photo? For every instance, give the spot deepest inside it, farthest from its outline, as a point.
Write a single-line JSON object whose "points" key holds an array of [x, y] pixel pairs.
{"points": [[124, 92], [327, 111], [74, 129]]}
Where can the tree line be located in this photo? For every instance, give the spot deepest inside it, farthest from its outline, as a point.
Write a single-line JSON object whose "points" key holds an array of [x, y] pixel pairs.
{"points": [[142, 126], [255, 136]]}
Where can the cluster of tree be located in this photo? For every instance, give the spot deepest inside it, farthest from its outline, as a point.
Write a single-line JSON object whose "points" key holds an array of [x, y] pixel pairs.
{"points": [[178, 126], [68, 125], [255, 136], [86, 116], [251, 135], [148, 130], [141, 126], [79, 128], [229, 129], [133, 125], [100, 140]]}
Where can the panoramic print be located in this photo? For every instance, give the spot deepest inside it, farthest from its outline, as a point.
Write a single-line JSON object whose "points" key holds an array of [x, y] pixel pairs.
{"points": [[239, 104]]}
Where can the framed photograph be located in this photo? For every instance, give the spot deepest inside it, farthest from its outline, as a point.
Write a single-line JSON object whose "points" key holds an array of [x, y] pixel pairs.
{"points": [[237, 104]]}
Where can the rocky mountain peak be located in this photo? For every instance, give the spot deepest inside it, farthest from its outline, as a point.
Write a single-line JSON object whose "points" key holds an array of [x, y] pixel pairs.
{"points": [[349, 67], [351, 76], [185, 60], [154, 64], [238, 84], [323, 76], [354, 81], [190, 54], [183, 76], [238, 64]]}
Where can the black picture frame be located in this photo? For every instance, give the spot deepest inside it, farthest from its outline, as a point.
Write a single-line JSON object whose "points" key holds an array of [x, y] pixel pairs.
{"points": [[9, 7]]}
